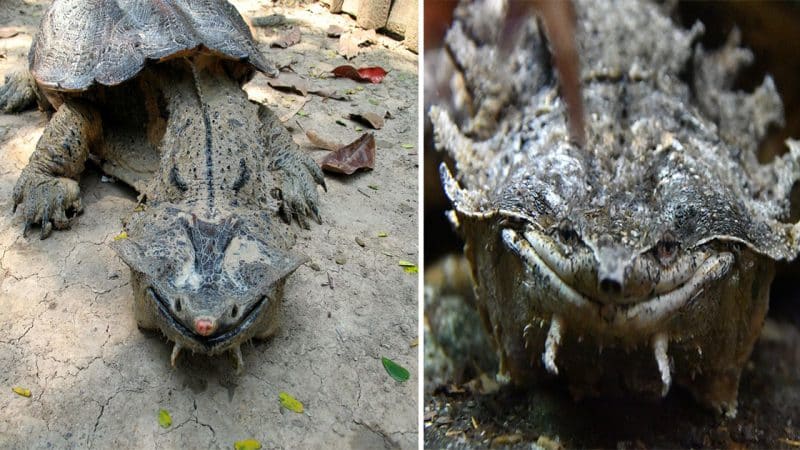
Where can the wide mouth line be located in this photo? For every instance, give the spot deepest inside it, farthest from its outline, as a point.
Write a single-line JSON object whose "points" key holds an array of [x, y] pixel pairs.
{"points": [[644, 312], [209, 342]]}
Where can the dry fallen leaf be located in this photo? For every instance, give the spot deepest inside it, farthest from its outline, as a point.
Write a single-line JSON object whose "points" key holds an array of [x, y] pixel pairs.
{"points": [[164, 419], [328, 93], [21, 391], [288, 38], [365, 74], [506, 439], [408, 266], [290, 403], [9, 32], [359, 154], [247, 444], [290, 83], [321, 142], [334, 31], [373, 120], [350, 42]]}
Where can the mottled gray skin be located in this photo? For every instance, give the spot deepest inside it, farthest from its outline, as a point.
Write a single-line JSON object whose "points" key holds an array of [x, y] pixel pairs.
{"points": [[645, 255], [207, 256]]}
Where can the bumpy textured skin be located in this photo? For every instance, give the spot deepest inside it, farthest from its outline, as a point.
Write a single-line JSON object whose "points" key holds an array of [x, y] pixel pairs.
{"points": [[645, 255], [215, 172]]}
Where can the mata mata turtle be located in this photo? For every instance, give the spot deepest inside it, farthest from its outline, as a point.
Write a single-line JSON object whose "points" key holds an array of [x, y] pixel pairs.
{"points": [[643, 256], [152, 91]]}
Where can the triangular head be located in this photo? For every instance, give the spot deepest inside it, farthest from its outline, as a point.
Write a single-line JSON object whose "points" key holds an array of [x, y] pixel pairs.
{"points": [[209, 284]]}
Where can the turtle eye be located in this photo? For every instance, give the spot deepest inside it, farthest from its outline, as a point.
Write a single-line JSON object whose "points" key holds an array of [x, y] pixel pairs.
{"points": [[568, 236], [666, 250]]}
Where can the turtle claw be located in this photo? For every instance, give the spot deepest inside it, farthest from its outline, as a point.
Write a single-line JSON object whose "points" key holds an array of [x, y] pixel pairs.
{"points": [[176, 351], [238, 361], [297, 189], [45, 200]]}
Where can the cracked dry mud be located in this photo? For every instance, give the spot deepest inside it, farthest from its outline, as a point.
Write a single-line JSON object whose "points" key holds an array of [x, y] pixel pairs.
{"points": [[67, 330]]}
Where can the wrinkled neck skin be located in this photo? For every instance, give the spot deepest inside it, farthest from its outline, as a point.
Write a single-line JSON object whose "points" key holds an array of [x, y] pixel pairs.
{"points": [[213, 152]]}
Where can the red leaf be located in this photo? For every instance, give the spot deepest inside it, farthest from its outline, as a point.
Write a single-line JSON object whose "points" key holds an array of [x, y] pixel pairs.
{"points": [[373, 74], [364, 74], [359, 154]]}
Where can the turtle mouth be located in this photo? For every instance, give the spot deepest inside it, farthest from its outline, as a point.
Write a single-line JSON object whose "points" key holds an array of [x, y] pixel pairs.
{"points": [[645, 314], [215, 342]]}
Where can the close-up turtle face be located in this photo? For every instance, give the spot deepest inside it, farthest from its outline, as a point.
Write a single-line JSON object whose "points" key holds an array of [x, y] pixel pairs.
{"points": [[208, 281], [652, 240]]}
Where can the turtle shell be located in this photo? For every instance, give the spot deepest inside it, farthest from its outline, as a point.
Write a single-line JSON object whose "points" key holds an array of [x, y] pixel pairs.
{"points": [[82, 42]]}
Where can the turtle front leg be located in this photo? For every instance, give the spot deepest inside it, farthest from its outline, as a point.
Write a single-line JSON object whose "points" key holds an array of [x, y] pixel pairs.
{"points": [[48, 186], [18, 92], [298, 174]]}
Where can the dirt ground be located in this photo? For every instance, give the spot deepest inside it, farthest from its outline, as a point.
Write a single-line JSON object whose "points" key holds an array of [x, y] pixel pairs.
{"points": [[67, 330]]}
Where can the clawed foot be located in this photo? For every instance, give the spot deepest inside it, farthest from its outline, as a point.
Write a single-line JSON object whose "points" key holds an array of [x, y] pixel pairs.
{"points": [[298, 189], [18, 92], [45, 200]]}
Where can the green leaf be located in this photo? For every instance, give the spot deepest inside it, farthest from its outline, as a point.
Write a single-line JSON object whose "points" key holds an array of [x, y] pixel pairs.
{"points": [[396, 371], [407, 145], [374, 187], [290, 403], [302, 113], [164, 419], [121, 236], [247, 444], [383, 234], [408, 266]]}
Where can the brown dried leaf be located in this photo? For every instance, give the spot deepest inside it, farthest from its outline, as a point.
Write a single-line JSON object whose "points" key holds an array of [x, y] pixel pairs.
{"points": [[328, 93], [506, 439], [290, 83], [9, 32], [350, 43], [365, 37], [288, 38], [321, 142], [348, 46], [373, 120], [359, 154]]}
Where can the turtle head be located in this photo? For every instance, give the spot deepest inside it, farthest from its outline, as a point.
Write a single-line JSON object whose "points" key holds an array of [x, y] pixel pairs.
{"points": [[207, 283]]}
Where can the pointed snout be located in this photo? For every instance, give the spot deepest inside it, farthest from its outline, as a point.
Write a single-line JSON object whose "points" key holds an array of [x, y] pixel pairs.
{"points": [[612, 262]]}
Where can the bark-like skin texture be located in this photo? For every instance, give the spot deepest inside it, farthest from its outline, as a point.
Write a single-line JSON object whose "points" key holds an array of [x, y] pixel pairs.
{"points": [[215, 171], [644, 256]]}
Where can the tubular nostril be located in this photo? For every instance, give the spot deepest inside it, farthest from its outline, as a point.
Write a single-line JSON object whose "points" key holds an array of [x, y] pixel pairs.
{"points": [[204, 326], [235, 311], [610, 286], [178, 305]]}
